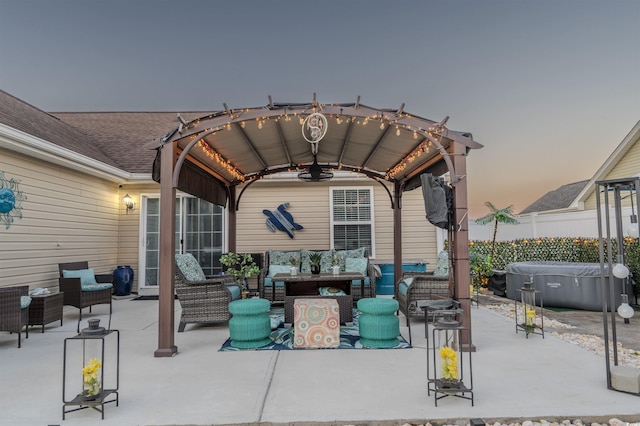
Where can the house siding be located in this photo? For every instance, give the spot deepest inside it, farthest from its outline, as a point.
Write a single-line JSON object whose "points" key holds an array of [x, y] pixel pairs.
{"points": [[309, 204], [68, 216], [628, 166]]}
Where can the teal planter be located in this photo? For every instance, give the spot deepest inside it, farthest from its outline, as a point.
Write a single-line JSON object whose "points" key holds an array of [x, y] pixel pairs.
{"points": [[384, 284]]}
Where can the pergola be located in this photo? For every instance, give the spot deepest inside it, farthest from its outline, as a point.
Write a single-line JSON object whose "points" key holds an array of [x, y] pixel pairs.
{"points": [[218, 156]]}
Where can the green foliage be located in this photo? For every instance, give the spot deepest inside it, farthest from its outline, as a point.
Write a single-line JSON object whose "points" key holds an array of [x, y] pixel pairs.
{"points": [[315, 258], [239, 265], [557, 249]]}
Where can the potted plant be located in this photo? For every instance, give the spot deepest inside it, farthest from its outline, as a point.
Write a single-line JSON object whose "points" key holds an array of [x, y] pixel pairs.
{"points": [[294, 261], [241, 266], [335, 264], [315, 258]]}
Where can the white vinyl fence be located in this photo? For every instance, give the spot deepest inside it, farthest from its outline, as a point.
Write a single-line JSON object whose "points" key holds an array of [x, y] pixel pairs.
{"points": [[570, 224]]}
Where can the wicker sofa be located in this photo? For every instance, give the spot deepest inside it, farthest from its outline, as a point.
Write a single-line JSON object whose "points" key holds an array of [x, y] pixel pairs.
{"points": [[350, 260]]}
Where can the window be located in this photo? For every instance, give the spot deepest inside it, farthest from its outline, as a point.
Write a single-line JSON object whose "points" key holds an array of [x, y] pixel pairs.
{"points": [[352, 219]]}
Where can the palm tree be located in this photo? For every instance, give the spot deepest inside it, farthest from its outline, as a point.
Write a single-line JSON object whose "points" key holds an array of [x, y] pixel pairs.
{"points": [[497, 216]]}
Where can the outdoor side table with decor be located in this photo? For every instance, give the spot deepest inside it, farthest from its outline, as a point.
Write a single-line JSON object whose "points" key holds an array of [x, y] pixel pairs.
{"points": [[250, 326], [91, 369], [449, 368]]}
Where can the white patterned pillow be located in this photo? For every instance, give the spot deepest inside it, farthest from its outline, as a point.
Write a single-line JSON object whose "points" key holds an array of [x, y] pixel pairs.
{"points": [[442, 266], [189, 267]]}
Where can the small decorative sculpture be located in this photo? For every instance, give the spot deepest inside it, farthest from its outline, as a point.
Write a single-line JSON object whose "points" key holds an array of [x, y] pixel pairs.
{"points": [[281, 220]]}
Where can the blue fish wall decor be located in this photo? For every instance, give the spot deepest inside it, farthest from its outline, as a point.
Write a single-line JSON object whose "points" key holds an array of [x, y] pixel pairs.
{"points": [[281, 220]]}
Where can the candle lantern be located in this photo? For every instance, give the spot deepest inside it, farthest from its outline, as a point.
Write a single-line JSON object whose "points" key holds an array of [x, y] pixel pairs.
{"points": [[449, 369], [91, 369], [529, 317]]}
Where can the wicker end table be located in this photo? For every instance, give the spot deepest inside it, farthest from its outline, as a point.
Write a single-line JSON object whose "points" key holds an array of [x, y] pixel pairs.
{"points": [[45, 309]]}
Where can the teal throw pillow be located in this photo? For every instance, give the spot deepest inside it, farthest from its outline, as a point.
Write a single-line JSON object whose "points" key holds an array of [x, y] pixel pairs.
{"points": [[358, 264], [282, 257], [87, 276], [25, 301], [331, 291], [279, 269], [343, 255], [189, 267]]}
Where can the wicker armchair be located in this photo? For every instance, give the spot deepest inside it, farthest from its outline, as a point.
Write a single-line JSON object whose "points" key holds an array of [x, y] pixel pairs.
{"points": [[12, 316], [204, 301], [74, 295]]}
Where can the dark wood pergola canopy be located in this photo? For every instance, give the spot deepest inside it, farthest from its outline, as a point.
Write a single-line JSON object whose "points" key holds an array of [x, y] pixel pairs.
{"points": [[215, 155]]}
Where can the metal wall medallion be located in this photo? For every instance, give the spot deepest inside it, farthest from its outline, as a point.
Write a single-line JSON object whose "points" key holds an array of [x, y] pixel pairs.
{"points": [[11, 198]]}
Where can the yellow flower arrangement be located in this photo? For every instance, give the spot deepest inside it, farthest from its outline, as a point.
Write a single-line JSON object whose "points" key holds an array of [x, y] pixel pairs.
{"points": [[449, 363], [529, 315], [91, 379]]}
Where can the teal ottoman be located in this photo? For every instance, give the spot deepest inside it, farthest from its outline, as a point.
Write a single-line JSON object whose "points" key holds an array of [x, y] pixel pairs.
{"points": [[378, 324], [250, 326]]}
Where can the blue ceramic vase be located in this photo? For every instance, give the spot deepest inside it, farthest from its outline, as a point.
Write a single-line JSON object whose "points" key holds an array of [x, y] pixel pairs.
{"points": [[123, 280]]}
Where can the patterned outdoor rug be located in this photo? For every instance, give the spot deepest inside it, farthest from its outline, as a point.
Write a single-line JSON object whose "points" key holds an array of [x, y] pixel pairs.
{"points": [[282, 337]]}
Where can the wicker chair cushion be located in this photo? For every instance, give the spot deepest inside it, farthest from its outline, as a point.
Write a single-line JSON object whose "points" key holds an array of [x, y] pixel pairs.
{"points": [[344, 255], [403, 286], [235, 290], [267, 283], [442, 265], [189, 267], [87, 276], [25, 301], [358, 264], [96, 287]]}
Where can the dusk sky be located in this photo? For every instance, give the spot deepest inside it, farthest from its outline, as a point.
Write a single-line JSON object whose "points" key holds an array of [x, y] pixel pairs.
{"points": [[549, 87]]}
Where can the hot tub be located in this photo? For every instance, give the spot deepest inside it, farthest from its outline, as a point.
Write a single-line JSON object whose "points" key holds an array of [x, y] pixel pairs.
{"points": [[563, 284]]}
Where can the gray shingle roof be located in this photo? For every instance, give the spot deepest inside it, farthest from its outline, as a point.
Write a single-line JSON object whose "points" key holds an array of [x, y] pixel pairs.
{"points": [[124, 136], [21, 116], [557, 199], [118, 139]]}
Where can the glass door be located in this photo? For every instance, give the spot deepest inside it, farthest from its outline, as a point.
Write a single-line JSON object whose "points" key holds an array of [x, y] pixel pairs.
{"points": [[199, 231]]}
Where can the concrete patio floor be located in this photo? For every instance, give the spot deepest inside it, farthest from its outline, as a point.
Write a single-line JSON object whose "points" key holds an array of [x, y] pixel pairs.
{"points": [[514, 378]]}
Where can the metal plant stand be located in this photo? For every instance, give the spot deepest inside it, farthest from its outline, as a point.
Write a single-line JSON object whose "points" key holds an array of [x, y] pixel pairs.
{"points": [[529, 312], [447, 333], [94, 343]]}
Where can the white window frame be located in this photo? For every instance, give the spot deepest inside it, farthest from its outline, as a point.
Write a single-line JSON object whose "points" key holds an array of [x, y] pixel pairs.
{"points": [[370, 222]]}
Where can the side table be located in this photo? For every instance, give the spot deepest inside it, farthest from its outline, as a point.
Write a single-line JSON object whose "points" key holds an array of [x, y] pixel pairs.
{"points": [[45, 309]]}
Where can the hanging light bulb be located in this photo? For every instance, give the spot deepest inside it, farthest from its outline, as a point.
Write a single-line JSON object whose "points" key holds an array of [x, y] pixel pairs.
{"points": [[620, 271], [625, 310]]}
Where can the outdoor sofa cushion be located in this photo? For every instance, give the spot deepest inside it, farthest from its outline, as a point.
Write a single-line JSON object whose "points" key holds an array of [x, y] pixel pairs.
{"points": [[404, 285], [87, 279]]}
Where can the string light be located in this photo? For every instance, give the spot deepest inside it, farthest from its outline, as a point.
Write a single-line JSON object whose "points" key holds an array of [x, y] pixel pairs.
{"points": [[228, 167]]}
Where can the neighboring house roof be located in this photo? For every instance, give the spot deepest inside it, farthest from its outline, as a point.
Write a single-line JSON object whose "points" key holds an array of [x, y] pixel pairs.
{"points": [[117, 139], [26, 118], [560, 198], [125, 136]]}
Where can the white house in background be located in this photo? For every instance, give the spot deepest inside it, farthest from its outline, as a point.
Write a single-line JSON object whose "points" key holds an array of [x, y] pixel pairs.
{"points": [[570, 210]]}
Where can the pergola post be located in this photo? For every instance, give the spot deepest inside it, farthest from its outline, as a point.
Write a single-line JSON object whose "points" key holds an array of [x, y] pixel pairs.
{"points": [[461, 239], [232, 220], [166, 267], [397, 234]]}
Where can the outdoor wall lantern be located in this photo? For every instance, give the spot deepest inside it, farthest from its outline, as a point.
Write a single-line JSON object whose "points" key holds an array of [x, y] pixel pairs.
{"points": [[449, 368], [621, 378], [527, 313], [91, 369], [128, 202]]}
